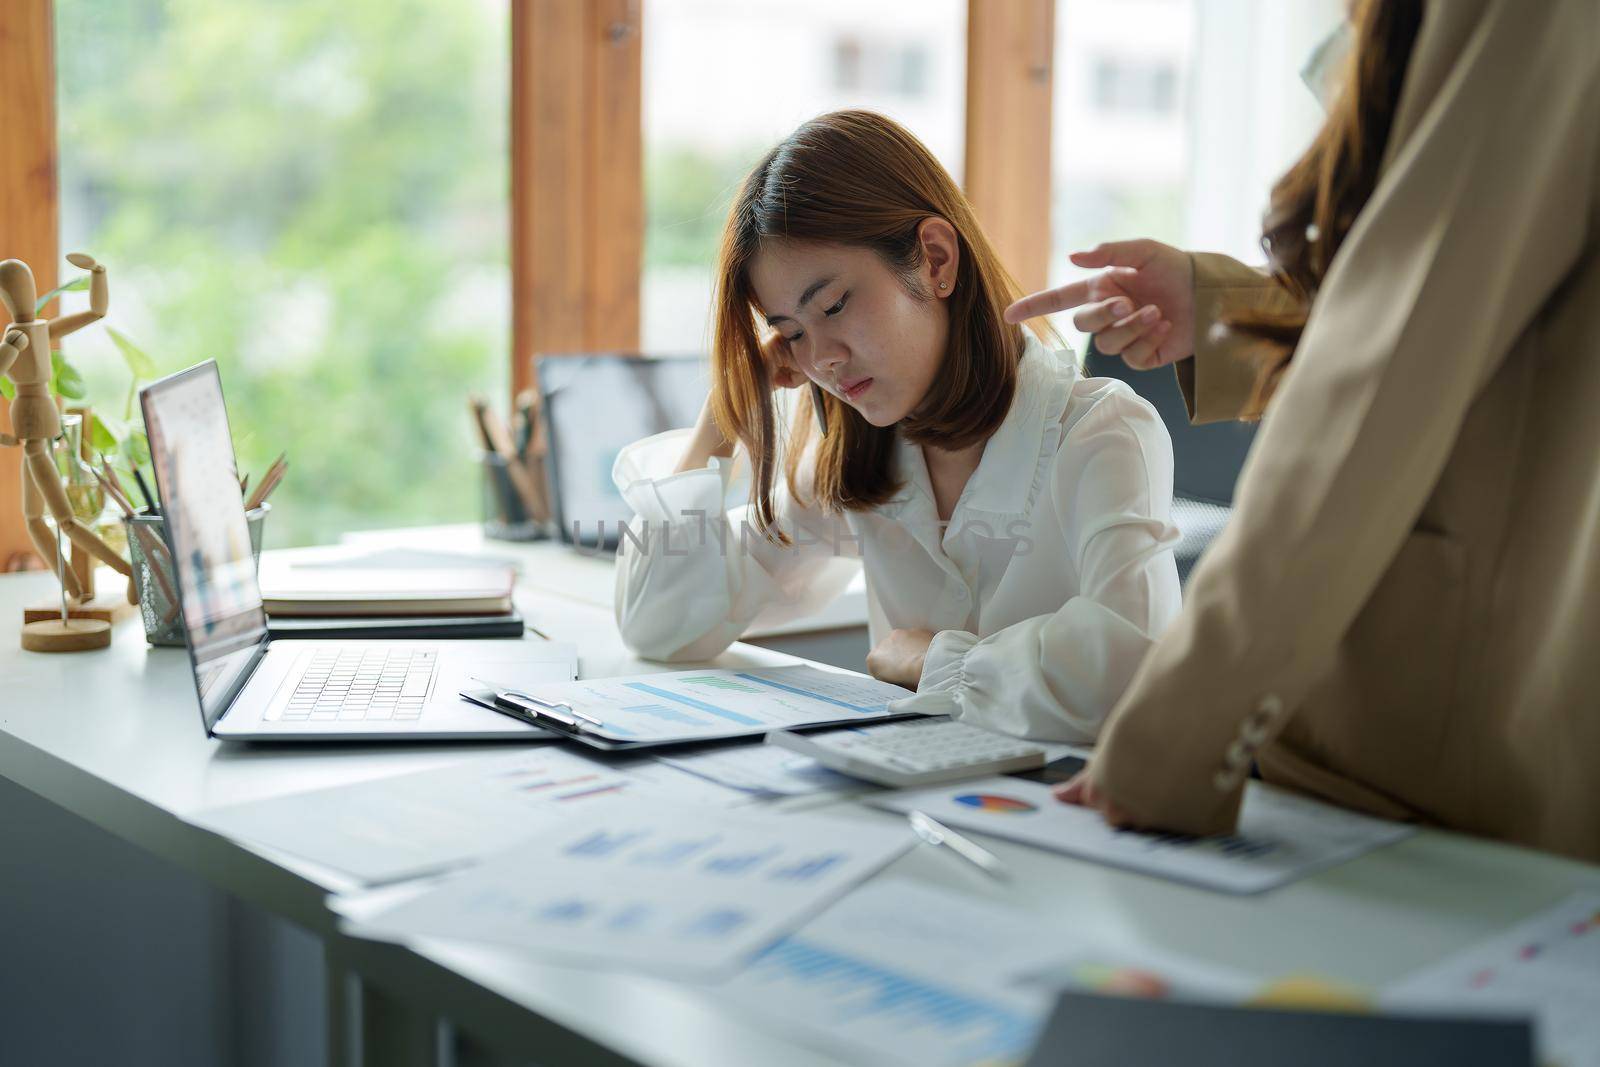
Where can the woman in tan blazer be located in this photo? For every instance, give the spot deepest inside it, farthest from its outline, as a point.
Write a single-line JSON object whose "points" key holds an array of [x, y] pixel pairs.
{"points": [[1403, 615]]}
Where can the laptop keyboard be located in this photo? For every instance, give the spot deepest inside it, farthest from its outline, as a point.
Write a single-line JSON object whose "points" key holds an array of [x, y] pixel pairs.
{"points": [[358, 684]]}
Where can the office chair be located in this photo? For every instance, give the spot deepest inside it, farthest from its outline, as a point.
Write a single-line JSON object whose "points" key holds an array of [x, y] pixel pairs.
{"points": [[1206, 458]]}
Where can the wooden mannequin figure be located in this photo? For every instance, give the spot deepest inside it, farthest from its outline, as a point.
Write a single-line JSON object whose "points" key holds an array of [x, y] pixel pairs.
{"points": [[25, 348]]}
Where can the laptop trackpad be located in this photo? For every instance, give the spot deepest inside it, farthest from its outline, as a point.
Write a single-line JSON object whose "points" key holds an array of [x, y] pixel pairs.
{"points": [[507, 672]]}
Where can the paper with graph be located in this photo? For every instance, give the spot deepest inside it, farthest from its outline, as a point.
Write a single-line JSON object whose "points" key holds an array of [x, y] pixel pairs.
{"points": [[1546, 967], [414, 824], [1280, 836], [689, 891], [903, 973], [709, 704]]}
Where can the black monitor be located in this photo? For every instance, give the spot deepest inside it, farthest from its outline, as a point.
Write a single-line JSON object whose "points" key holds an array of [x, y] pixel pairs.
{"points": [[595, 405]]}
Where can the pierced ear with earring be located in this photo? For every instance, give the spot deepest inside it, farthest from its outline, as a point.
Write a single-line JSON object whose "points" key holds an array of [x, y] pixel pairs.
{"points": [[944, 285]]}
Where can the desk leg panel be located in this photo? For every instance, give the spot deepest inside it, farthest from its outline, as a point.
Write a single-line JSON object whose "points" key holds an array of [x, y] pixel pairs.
{"points": [[478, 1027]]}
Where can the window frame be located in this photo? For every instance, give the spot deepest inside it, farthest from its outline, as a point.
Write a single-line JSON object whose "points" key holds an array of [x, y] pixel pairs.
{"points": [[29, 209]]}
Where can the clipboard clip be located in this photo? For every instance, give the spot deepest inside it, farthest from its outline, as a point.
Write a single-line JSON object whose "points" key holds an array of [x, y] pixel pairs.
{"points": [[557, 714]]}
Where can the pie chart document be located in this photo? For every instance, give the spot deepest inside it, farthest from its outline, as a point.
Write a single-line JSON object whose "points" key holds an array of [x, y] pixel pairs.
{"points": [[1281, 836]]}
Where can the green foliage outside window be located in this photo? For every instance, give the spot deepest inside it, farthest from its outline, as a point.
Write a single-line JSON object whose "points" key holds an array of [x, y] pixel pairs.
{"points": [[687, 193], [315, 195]]}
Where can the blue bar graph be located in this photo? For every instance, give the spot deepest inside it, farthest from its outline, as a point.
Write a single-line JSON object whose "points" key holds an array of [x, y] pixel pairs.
{"points": [[601, 843], [673, 853], [698, 705], [837, 992], [862, 708], [660, 711], [806, 870], [739, 862], [632, 917], [717, 923], [565, 911]]}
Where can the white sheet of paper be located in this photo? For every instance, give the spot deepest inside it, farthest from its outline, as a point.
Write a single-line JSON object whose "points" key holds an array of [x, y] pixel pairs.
{"points": [[717, 703], [415, 824], [1547, 967], [1281, 836], [765, 769], [903, 973], [691, 891]]}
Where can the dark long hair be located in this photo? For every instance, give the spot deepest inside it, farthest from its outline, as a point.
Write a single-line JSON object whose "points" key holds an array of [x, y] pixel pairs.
{"points": [[858, 178], [1315, 204]]}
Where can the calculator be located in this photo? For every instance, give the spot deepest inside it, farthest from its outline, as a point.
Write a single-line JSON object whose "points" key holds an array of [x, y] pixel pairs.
{"points": [[915, 752]]}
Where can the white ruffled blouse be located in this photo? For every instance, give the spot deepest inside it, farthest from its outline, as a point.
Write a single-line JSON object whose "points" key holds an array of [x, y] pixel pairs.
{"points": [[1052, 578]]}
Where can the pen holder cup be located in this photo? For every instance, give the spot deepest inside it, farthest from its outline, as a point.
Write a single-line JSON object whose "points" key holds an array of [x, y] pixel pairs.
{"points": [[153, 577], [505, 516]]}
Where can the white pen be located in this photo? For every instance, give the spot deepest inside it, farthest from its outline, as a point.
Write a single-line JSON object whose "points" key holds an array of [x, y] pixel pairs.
{"points": [[936, 833]]}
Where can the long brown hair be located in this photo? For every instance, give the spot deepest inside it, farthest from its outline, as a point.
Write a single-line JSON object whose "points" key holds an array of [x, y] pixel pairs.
{"points": [[1315, 204], [857, 178]]}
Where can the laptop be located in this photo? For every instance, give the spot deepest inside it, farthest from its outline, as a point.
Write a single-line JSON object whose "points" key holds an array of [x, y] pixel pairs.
{"points": [[252, 688]]}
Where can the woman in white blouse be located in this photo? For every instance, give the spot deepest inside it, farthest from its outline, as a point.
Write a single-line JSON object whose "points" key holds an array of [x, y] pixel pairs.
{"points": [[1012, 517]]}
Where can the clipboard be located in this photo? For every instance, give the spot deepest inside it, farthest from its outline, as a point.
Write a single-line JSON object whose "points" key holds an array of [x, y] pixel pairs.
{"points": [[564, 721]]}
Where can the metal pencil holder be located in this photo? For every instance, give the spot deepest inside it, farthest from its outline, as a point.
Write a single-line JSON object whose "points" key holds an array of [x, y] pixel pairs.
{"points": [[505, 517], [154, 580]]}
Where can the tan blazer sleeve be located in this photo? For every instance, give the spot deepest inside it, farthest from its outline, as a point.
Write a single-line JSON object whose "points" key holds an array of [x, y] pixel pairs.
{"points": [[1486, 202], [1220, 382]]}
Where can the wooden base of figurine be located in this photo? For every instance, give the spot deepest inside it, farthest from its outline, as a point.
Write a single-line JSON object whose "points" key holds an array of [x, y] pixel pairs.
{"points": [[73, 635], [106, 608]]}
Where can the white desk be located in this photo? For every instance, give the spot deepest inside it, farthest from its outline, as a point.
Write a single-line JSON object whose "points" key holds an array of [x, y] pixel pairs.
{"points": [[114, 737]]}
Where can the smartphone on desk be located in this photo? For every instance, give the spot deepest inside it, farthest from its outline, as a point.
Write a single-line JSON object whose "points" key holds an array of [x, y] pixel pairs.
{"points": [[1053, 773]]}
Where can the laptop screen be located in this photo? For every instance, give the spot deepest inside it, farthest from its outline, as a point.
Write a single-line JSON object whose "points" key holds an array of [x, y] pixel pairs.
{"points": [[192, 453]]}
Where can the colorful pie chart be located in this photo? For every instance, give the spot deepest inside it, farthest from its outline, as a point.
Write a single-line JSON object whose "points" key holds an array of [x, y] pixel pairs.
{"points": [[996, 803], [1123, 981]]}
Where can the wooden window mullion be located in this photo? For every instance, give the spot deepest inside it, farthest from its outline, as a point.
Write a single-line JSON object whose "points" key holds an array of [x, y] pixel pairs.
{"points": [[29, 204], [576, 178], [1010, 62]]}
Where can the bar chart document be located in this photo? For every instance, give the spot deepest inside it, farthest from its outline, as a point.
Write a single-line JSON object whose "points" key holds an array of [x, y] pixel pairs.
{"points": [[691, 891], [903, 973], [409, 825], [707, 704]]}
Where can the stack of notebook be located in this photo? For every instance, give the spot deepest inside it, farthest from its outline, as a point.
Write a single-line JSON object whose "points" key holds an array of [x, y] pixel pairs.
{"points": [[391, 595]]}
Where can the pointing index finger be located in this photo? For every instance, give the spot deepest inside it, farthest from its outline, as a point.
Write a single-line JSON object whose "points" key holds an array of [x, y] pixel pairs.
{"points": [[1049, 300], [1134, 253]]}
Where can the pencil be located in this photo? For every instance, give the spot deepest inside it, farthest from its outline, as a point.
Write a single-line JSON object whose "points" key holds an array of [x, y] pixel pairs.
{"points": [[267, 489], [500, 443], [149, 497], [267, 483]]}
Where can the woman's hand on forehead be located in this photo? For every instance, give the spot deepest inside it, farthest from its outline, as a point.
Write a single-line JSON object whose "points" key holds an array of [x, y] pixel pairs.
{"points": [[785, 372]]}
